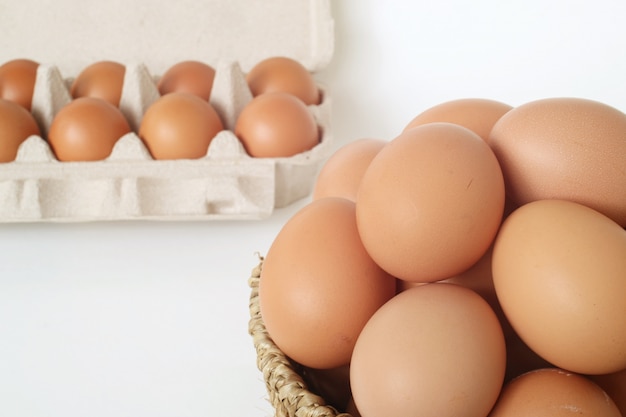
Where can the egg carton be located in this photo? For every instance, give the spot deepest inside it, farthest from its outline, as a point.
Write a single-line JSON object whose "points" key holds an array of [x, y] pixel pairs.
{"points": [[231, 35], [227, 183]]}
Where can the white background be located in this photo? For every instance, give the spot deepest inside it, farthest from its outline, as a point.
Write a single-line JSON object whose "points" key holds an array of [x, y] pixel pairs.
{"points": [[150, 319]]}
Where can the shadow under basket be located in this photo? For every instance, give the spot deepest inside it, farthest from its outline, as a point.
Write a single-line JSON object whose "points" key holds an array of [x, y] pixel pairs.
{"points": [[288, 392]]}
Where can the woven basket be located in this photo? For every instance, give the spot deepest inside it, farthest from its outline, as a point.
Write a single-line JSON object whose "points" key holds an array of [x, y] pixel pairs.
{"points": [[288, 392]]}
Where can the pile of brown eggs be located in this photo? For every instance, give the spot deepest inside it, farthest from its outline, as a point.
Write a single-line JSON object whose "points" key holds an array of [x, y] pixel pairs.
{"points": [[473, 265], [180, 124]]}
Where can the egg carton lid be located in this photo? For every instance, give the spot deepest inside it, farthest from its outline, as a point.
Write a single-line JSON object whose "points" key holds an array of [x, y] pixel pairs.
{"points": [[75, 33]]}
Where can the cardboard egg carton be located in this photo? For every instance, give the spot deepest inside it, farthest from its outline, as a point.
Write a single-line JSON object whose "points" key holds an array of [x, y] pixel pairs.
{"points": [[130, 185]]}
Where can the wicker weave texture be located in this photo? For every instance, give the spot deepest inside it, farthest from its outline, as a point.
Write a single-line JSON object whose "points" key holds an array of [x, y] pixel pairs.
{"points": [[288, 392]]}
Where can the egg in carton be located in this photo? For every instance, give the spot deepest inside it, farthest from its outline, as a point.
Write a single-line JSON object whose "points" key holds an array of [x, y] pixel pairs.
{"points": [[227, 183], [130, 184]]}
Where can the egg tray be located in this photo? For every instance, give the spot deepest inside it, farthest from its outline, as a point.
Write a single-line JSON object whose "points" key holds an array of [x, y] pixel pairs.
{"points": [[225, 184], [288, 392]]}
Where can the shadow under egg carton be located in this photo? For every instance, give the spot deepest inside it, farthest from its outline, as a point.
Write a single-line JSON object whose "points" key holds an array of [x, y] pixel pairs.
{"points": [[225, 184]]}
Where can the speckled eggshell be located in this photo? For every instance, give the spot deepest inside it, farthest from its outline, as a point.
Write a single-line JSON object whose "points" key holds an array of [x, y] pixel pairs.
{"points": [[564, 148], [430, 203]]}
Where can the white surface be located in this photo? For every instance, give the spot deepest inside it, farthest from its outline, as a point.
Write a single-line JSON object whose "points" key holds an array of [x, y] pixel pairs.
{"points": [[150, 319]]}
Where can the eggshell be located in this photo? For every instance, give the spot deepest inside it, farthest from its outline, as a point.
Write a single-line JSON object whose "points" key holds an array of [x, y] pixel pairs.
{"points": [[433, 350], [179, 126], [559, 270], [341, 175], [614, 385], [194, 77], [86, 129], [102, 79], [16, 125], [283, 74], [553, 393], [17, 81], [477, 114], [431, 202], [275, 125], [564, 148], [319, 286]]}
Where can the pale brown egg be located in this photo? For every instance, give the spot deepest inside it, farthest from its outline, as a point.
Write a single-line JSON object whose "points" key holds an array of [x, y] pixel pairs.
{"points": [[431, 202], [477, 114], [341, 174], [564, 148], [86, 129], [16, 125], [179, 126], [559, 271], [553, 392], [276, 125], [193, 77], [436, 350], [17, 81], [319, 286], [102, 79], [283, 74]]}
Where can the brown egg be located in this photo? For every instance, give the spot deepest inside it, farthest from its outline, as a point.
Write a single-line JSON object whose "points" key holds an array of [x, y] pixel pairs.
{"points": [[16, 125], [319, 286], [431, 202], [559, 270], [433, 350], [285, 75], [86, 129], [615, 386], [193, 77], [17, 81], [564, 148], [519, 357], [341, 175], [102, 79], [179, 126], [477, 114], [552, 392], [276, 125]]}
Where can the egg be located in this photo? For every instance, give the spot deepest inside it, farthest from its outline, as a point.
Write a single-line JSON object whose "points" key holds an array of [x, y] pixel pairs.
{"points": [[193, 77], [16, 125], [283, 74], [559, 271], [102, 79], [553, 392], [17, 81], [276, 125], [86, 129], [564, 148], [477, 114], [614, 384], [318, 285], [433, 350], [341, 174], [179, 126], [431, 202]]}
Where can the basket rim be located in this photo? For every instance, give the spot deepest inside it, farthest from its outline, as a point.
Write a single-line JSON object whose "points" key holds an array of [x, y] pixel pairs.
{"points": [[288, 393]]}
